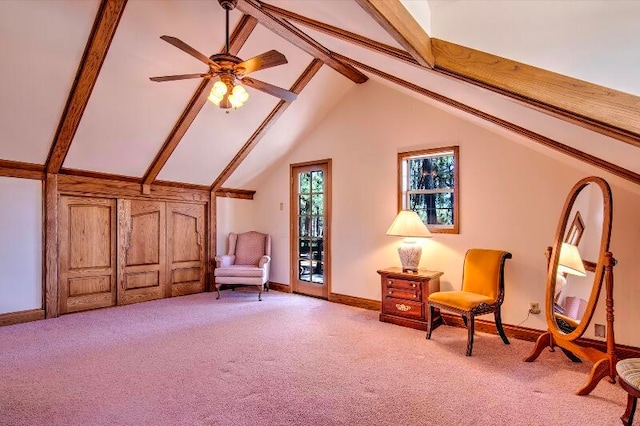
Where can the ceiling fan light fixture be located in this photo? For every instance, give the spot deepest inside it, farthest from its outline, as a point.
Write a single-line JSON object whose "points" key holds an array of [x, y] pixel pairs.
{"points": [[240, 93], [219, 89]]}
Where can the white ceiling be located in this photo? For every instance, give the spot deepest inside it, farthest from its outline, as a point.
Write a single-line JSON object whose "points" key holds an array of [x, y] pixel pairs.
{"points": [[128, 117]]}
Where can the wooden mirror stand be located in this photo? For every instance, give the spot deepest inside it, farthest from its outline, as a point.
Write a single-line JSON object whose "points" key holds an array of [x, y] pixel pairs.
{"points": [[567, 336]]}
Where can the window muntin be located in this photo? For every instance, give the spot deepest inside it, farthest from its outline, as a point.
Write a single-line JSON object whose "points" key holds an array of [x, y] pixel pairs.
{"points": [[428, 183]]}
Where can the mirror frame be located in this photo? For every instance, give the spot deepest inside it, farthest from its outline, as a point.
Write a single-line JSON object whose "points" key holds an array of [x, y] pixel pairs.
{"points": [[570, 343], [598, 276]]}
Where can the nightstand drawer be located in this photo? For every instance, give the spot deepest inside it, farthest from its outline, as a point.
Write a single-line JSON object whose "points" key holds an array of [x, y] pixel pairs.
{"points": [[404, 308], [403, 293], [403, 284]]}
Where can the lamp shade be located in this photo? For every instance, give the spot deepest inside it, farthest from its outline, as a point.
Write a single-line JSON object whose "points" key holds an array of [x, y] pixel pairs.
{"points": [[570, 261], [408, 224]]}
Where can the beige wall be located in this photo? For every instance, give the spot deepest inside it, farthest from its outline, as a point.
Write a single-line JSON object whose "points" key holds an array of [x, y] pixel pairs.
{"points": [[511, 198], [20, 244]]}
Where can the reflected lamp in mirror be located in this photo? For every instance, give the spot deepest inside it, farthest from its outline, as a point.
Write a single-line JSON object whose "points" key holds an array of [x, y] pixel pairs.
{"points": [[570, 261], [409, 225]]}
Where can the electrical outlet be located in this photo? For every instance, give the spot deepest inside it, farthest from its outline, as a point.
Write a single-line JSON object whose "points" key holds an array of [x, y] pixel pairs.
{"points": [[600, 330], [534, 308]]}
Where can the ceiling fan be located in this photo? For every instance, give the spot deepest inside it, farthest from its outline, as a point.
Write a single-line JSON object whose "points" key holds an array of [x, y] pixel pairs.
{"points": [[225, 93]]}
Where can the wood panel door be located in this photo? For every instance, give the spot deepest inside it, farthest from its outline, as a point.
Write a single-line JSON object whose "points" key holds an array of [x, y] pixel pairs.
{"points": [[186, 248], [87, 253], [142, 257]]}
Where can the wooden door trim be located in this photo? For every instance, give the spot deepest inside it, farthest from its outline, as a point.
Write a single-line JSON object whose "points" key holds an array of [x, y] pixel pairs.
{"points": [[327, 162], [50, 246]]}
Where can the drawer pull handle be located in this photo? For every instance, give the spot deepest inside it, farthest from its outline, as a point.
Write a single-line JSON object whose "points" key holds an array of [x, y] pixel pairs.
{"points": [[415, 295], [390, 291], [389, 282], [402, 307], [413, 285]]}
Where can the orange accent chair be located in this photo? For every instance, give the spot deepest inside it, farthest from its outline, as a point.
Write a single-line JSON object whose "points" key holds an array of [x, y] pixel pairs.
{"points": [[482, 292]]}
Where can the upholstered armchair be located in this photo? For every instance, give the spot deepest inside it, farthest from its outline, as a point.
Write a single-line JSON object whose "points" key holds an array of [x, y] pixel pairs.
{"points": [[246, 262], [482, 292]]}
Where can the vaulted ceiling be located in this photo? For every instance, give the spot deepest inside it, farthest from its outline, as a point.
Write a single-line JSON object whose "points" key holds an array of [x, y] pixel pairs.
{"points": [[76, 92]]}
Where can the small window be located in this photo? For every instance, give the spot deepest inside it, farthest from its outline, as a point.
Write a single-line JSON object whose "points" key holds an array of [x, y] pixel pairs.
{"points": [[428, 185]]}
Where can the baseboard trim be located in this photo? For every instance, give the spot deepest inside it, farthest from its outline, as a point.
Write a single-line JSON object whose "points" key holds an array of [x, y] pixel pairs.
{"points": [[285, 288], [531, 335], [514, 331], [358, 302], [21, 316]]}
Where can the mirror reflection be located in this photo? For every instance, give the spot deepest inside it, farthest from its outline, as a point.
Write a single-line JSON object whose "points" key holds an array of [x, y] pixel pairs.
{"points": [[580, 248]]}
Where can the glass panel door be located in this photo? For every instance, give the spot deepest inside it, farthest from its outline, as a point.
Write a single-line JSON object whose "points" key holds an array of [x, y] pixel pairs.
{"points": [[310, 189]]}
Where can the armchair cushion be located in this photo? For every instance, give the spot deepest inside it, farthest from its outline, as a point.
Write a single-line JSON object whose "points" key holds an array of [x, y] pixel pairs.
{"points": [[250, 247], [239, 271]]}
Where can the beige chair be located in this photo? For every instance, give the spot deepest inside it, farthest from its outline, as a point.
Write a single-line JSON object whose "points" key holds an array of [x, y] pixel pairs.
{"points": [[246, 262]]}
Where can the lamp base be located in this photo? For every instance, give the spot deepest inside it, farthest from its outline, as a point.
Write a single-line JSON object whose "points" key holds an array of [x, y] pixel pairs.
{"points": [[410, 253]]}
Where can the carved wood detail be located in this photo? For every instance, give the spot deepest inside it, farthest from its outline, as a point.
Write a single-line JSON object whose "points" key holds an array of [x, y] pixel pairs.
{"points": [[185, 248]]}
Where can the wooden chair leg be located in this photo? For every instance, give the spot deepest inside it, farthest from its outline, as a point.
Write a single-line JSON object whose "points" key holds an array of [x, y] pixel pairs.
{"points": [[470, 327], [498, 318], [260, 293], [218, 290], [464, 320], [627, 417], [430, 312]]}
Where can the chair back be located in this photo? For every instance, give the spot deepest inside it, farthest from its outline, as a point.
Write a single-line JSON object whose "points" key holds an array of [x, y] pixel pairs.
{"points": [[249, 247], [484, 272]]}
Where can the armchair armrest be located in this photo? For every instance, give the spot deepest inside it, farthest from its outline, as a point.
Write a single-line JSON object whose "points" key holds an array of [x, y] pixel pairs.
{"points": [[225, 260], [264, 260]]}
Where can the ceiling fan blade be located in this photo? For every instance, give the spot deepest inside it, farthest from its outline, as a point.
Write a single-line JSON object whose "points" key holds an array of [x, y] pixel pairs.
{"points": [[265, 60], [178, 77], [190, 50], [276, 91]]}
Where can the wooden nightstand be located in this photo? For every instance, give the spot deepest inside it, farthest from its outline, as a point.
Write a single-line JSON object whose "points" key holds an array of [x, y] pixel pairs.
{"points": [[404, 296]]}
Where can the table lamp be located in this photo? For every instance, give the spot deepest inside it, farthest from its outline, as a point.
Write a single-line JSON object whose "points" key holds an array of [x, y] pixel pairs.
{"points": [[409, 225]]}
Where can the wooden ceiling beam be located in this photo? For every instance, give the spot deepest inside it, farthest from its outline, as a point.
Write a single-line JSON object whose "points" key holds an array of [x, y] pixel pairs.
{"points": [[95, 52], [277, 111], [336, 32], [543, 140], [606, 111], [299, 39], [399, 24], [237, 39]]}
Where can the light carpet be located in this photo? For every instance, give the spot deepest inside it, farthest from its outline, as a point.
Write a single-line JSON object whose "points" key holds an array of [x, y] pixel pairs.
{"points": [[288, 360]]}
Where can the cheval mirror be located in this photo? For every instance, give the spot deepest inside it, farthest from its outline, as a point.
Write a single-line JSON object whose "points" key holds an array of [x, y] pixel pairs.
{"points": [[578, 263]]}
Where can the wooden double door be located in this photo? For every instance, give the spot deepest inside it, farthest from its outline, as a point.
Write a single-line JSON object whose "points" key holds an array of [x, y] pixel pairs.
{"points": [[128, 251]]}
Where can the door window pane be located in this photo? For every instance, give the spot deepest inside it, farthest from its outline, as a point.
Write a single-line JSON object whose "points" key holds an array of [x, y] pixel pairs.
{"points": [[305, 183], [317, 181], [305, 207], [317, 206]]}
